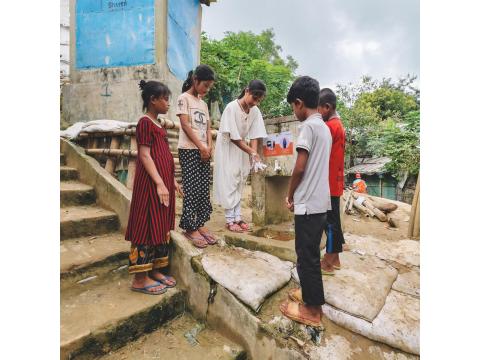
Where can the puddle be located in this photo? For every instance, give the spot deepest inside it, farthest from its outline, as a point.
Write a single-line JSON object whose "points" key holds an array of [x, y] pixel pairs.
{"points": [[275, 234]]}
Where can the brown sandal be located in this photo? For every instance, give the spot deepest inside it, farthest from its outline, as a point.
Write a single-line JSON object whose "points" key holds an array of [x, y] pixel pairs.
{"points": [[292, 311], [296, 295]]}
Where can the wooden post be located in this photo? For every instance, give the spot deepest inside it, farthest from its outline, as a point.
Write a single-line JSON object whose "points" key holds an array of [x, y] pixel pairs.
{"points": [[132, 164], [112, 160], [414, 225]]}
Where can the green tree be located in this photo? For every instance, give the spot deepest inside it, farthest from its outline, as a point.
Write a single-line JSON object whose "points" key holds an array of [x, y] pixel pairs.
{"points": [[382, 118], [244, 56]]}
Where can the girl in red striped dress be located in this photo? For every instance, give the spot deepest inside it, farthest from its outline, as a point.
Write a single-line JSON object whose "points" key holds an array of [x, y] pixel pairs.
{"points": [[152, 210]]}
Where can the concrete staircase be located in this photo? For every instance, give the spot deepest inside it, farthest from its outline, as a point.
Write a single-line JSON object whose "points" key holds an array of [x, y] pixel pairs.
{"points": [[99, 313]]}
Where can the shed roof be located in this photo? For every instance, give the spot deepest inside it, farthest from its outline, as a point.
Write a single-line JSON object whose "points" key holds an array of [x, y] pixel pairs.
{"points": [[370, 166]]}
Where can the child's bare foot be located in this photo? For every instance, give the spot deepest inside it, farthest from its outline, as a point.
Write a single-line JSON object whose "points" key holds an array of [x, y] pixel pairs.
{"points": [[167, 280], [305, 314]]}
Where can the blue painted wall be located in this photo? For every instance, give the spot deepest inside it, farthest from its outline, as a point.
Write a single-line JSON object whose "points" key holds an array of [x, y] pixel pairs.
{"points": [[114, 33], [183, 40]]}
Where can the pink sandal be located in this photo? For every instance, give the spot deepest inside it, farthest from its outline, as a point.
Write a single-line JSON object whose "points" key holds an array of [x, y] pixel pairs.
{"points": [[198, 242], [234, 227], [243, 225], [209, 238]]}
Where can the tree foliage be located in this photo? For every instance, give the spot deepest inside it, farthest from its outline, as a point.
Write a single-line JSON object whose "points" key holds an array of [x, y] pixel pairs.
{"points": [[244, 56], [382, 119]]}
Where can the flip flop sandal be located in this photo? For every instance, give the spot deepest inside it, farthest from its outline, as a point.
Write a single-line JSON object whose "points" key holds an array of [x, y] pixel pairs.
{"points": [[233, 227], [328, 273], [145, 290], [211, 240], [293, 312], [167, 278], [296, 295], [198, 242], [243, 225], [337, 267]]}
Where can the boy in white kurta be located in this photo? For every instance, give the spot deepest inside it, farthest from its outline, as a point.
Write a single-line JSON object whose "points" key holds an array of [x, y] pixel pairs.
{"points": [[241, 120]]}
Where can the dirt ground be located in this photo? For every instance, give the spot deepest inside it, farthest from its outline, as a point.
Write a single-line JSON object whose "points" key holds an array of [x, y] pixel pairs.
{"points": [[170, 342]]}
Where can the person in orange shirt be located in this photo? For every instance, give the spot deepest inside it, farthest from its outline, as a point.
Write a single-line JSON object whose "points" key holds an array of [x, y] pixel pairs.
{"points": [[359, 185]]}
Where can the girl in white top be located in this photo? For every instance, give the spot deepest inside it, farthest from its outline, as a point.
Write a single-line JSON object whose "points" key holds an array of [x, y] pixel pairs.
{"points": [[241, 120]]}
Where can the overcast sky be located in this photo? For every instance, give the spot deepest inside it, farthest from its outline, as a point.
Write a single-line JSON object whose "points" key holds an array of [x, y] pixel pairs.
{"points": [[335, 41]]}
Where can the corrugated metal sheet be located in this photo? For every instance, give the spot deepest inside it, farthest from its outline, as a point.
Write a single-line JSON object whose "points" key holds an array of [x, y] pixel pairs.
{"points": [[370, 166]]}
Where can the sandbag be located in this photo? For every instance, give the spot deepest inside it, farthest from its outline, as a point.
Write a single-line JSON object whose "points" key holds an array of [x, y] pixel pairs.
{"points": [[249, 275]]}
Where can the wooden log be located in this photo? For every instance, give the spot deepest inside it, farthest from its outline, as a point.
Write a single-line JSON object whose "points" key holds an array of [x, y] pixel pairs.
{"points": [[132, 164], [349, 196], [350, 206], [380, 215], [384, 206], [362, 209], [111, 161]]}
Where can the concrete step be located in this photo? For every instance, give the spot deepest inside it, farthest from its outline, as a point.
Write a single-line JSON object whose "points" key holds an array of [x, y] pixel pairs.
{"points": [[62, 159], [84, 255], [169, 342], [78, 221], [68, 173], [76, 193], [103, 314]]}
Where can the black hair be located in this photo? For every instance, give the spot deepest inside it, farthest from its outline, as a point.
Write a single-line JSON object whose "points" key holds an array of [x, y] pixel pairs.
{"points": [[202, 73], [306, 89], [152, 89], [327, 96], [256, 87]]}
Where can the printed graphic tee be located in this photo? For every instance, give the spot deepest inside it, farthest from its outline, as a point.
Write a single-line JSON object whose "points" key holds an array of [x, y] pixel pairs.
{"points": [[197, 111]]}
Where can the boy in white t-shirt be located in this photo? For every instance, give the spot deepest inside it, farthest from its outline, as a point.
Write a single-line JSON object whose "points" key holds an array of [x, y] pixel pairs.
{"points": [[309, 198]]}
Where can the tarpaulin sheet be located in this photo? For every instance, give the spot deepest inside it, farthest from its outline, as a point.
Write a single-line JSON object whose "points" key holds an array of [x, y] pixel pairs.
{"points": [[114, 33], [183, 37]]}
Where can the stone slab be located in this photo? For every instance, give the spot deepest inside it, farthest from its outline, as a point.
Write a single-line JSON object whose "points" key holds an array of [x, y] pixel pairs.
{"points": [[83, 252], [76, 193], [77, 221], [104, 313]]}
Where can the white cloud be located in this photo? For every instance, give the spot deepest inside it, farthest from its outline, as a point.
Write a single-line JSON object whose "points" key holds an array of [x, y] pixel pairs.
{"points": [[357, 49]]}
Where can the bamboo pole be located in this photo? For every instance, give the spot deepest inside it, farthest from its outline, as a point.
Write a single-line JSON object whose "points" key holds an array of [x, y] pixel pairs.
{"points": [[132, 164], [414, 224], [112, 152], [111, 161]]}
